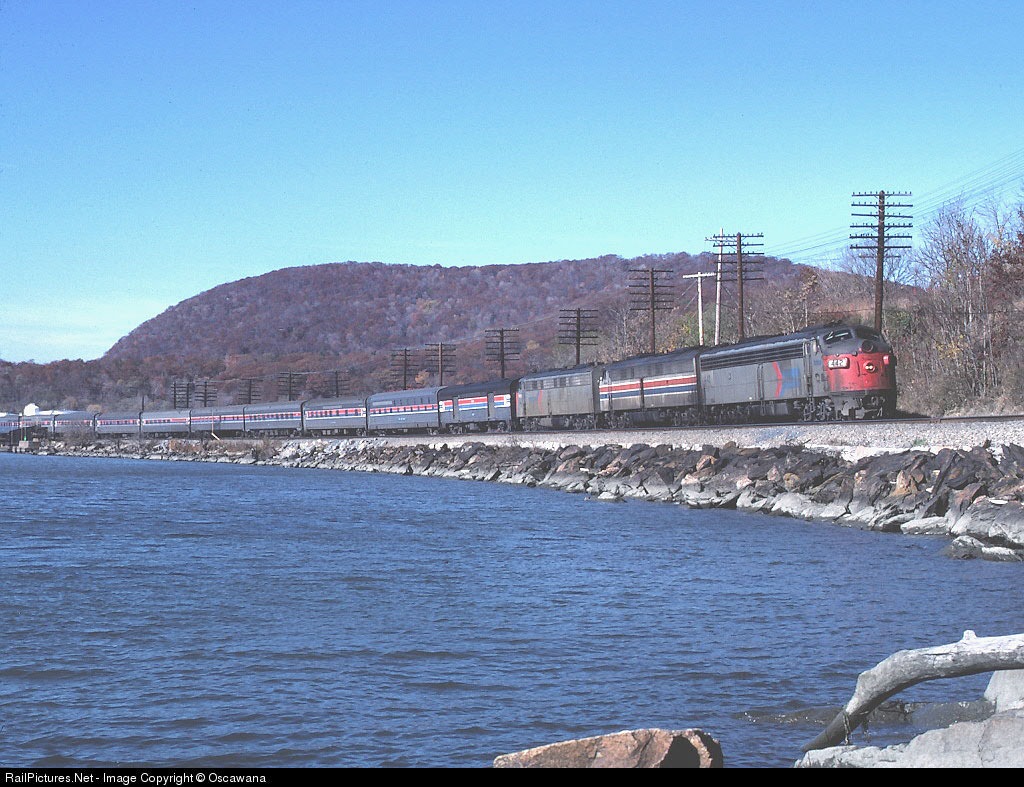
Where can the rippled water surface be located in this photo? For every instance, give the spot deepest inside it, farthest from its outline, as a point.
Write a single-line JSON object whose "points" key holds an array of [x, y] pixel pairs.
{"points": [[184, 614]]}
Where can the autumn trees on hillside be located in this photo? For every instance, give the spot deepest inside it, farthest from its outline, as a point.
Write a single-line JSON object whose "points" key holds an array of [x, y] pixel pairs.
{"points": [[961, 340]]}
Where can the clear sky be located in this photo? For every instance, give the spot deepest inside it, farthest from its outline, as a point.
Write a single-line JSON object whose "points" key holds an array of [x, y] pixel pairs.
{"points": [[150, 149]]}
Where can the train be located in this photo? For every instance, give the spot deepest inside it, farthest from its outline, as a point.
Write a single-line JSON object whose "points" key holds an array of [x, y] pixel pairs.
{"points": [[822, 373]]}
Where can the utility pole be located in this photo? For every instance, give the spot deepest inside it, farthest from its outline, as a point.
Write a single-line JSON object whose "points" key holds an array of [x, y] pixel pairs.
{"points": [[206, 393], [700, 303], [502, 345], [650, 291], [250, 392], [718, 293], [575, 327], [288, 384], [181, 394], [328, 383], [339, 383], [746, 259], [402, 363], [886, 236], [444, 356]]}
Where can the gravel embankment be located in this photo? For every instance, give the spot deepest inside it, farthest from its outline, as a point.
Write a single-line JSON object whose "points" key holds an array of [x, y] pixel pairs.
{"points": [[851, 441]]}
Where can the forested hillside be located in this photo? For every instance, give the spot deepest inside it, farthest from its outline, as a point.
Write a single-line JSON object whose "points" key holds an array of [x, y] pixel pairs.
{"points": [[343, 308]]}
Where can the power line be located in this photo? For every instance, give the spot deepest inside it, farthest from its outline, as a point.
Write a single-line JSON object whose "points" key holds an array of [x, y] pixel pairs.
{"points": [[969, 190]]}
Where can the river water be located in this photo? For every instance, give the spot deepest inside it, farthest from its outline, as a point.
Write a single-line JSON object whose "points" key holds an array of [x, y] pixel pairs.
{"points": [[181, 614]]}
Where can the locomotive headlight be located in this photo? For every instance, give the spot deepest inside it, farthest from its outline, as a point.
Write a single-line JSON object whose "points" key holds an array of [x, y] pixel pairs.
{"points": [[869, 367]]}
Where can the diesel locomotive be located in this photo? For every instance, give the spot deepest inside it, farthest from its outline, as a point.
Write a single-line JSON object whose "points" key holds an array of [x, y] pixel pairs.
{"points": [[822, 373]]}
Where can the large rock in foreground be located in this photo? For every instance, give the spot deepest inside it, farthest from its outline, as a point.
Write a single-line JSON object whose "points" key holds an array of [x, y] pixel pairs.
{"points": [[651, 748], [994, 742]]}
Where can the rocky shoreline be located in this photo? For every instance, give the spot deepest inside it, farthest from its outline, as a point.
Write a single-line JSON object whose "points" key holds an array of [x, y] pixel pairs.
{"points": [[974, 497]]}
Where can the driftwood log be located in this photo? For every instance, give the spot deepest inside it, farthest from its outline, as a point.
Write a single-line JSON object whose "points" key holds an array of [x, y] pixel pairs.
{"points": [[970, 656]]}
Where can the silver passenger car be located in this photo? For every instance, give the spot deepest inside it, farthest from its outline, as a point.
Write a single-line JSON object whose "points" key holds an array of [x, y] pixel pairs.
{"points": [[274, 417], [346, 415], [126, 424], [219, 420], [403, 411], [165, 422], [477, 407], [78, 423]]}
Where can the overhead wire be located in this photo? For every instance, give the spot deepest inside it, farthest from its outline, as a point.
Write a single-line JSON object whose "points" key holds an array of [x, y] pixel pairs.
{"points": [[969, 190]]}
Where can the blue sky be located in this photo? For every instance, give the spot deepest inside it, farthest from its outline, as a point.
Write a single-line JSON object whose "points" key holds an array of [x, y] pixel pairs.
{"points": [[150, 150]]}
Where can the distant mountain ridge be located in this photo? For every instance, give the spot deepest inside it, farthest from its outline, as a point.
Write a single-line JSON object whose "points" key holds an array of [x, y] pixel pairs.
{"points": [[342, 308]]}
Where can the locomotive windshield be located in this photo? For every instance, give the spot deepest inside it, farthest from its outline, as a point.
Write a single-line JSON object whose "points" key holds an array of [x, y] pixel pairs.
{"points": [[838, 336]]}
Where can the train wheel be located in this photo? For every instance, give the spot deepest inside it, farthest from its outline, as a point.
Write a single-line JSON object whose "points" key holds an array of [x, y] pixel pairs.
{"points": [[826, 410]]}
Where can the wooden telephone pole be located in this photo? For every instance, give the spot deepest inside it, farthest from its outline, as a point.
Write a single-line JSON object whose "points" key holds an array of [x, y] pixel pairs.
{"points": [[881, 235], [403, 363], [444, 355], [501, 345], [576, 328], [650, 291], [739, 255]]}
